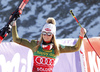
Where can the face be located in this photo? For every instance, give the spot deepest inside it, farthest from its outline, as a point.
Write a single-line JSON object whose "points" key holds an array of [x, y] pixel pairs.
{"points": [[47, 36]]}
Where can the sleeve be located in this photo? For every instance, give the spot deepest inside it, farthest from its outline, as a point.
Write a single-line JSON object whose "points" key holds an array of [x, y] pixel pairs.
{"points": [[21, 41], [67, 49]]}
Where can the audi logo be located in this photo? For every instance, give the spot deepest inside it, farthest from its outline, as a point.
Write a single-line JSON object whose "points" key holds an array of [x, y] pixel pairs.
{"points": [[44, 61]]}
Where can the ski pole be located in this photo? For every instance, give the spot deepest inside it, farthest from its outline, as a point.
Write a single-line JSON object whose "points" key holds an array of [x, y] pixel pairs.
{"points": [[85, 34]]}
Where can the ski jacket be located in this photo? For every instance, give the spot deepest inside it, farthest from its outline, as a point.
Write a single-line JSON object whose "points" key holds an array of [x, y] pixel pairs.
{"points": [[43, 59]]}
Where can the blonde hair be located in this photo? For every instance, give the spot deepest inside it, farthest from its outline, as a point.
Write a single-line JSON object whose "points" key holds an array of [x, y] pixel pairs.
{"points": [[56, 47]]}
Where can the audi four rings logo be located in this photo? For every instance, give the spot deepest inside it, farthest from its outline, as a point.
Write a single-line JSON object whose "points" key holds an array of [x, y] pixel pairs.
{"points": [[44, 61]]}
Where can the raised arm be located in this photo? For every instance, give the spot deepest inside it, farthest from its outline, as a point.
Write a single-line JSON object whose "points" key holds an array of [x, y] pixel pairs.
{"points": [[76, 47], [22, 41], [66, 49]]}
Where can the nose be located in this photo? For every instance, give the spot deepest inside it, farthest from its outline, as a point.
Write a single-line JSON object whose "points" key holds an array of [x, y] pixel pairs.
{"points": [[46, 35]]}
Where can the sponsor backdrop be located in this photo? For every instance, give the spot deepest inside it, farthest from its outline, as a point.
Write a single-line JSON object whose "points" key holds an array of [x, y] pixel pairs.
{"points": [[17, 58], [90, 62]]}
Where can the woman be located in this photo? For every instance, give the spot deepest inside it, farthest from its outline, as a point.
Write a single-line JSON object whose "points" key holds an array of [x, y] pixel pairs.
{"points": [[46, 50]]}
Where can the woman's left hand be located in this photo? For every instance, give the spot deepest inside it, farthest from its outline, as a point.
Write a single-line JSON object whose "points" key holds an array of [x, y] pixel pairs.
{"points": [[82, 32]]}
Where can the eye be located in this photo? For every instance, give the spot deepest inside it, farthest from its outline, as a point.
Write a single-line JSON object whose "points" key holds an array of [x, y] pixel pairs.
{"points": [[49, 34], [44, 33]]}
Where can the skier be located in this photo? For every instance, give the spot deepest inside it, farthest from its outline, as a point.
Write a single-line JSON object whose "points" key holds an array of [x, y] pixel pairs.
{"points": [[46, 50]]}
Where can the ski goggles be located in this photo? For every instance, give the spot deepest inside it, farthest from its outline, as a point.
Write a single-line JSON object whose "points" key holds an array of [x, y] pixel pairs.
{"points": [[47, 33]]}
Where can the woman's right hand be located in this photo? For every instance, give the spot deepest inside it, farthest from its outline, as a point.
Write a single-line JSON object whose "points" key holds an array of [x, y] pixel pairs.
{"points": [[13, 22]]}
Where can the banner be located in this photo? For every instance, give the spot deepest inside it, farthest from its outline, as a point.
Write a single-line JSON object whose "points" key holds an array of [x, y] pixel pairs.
{"points": [[68, 62], [17, 58], [90, 62]]}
